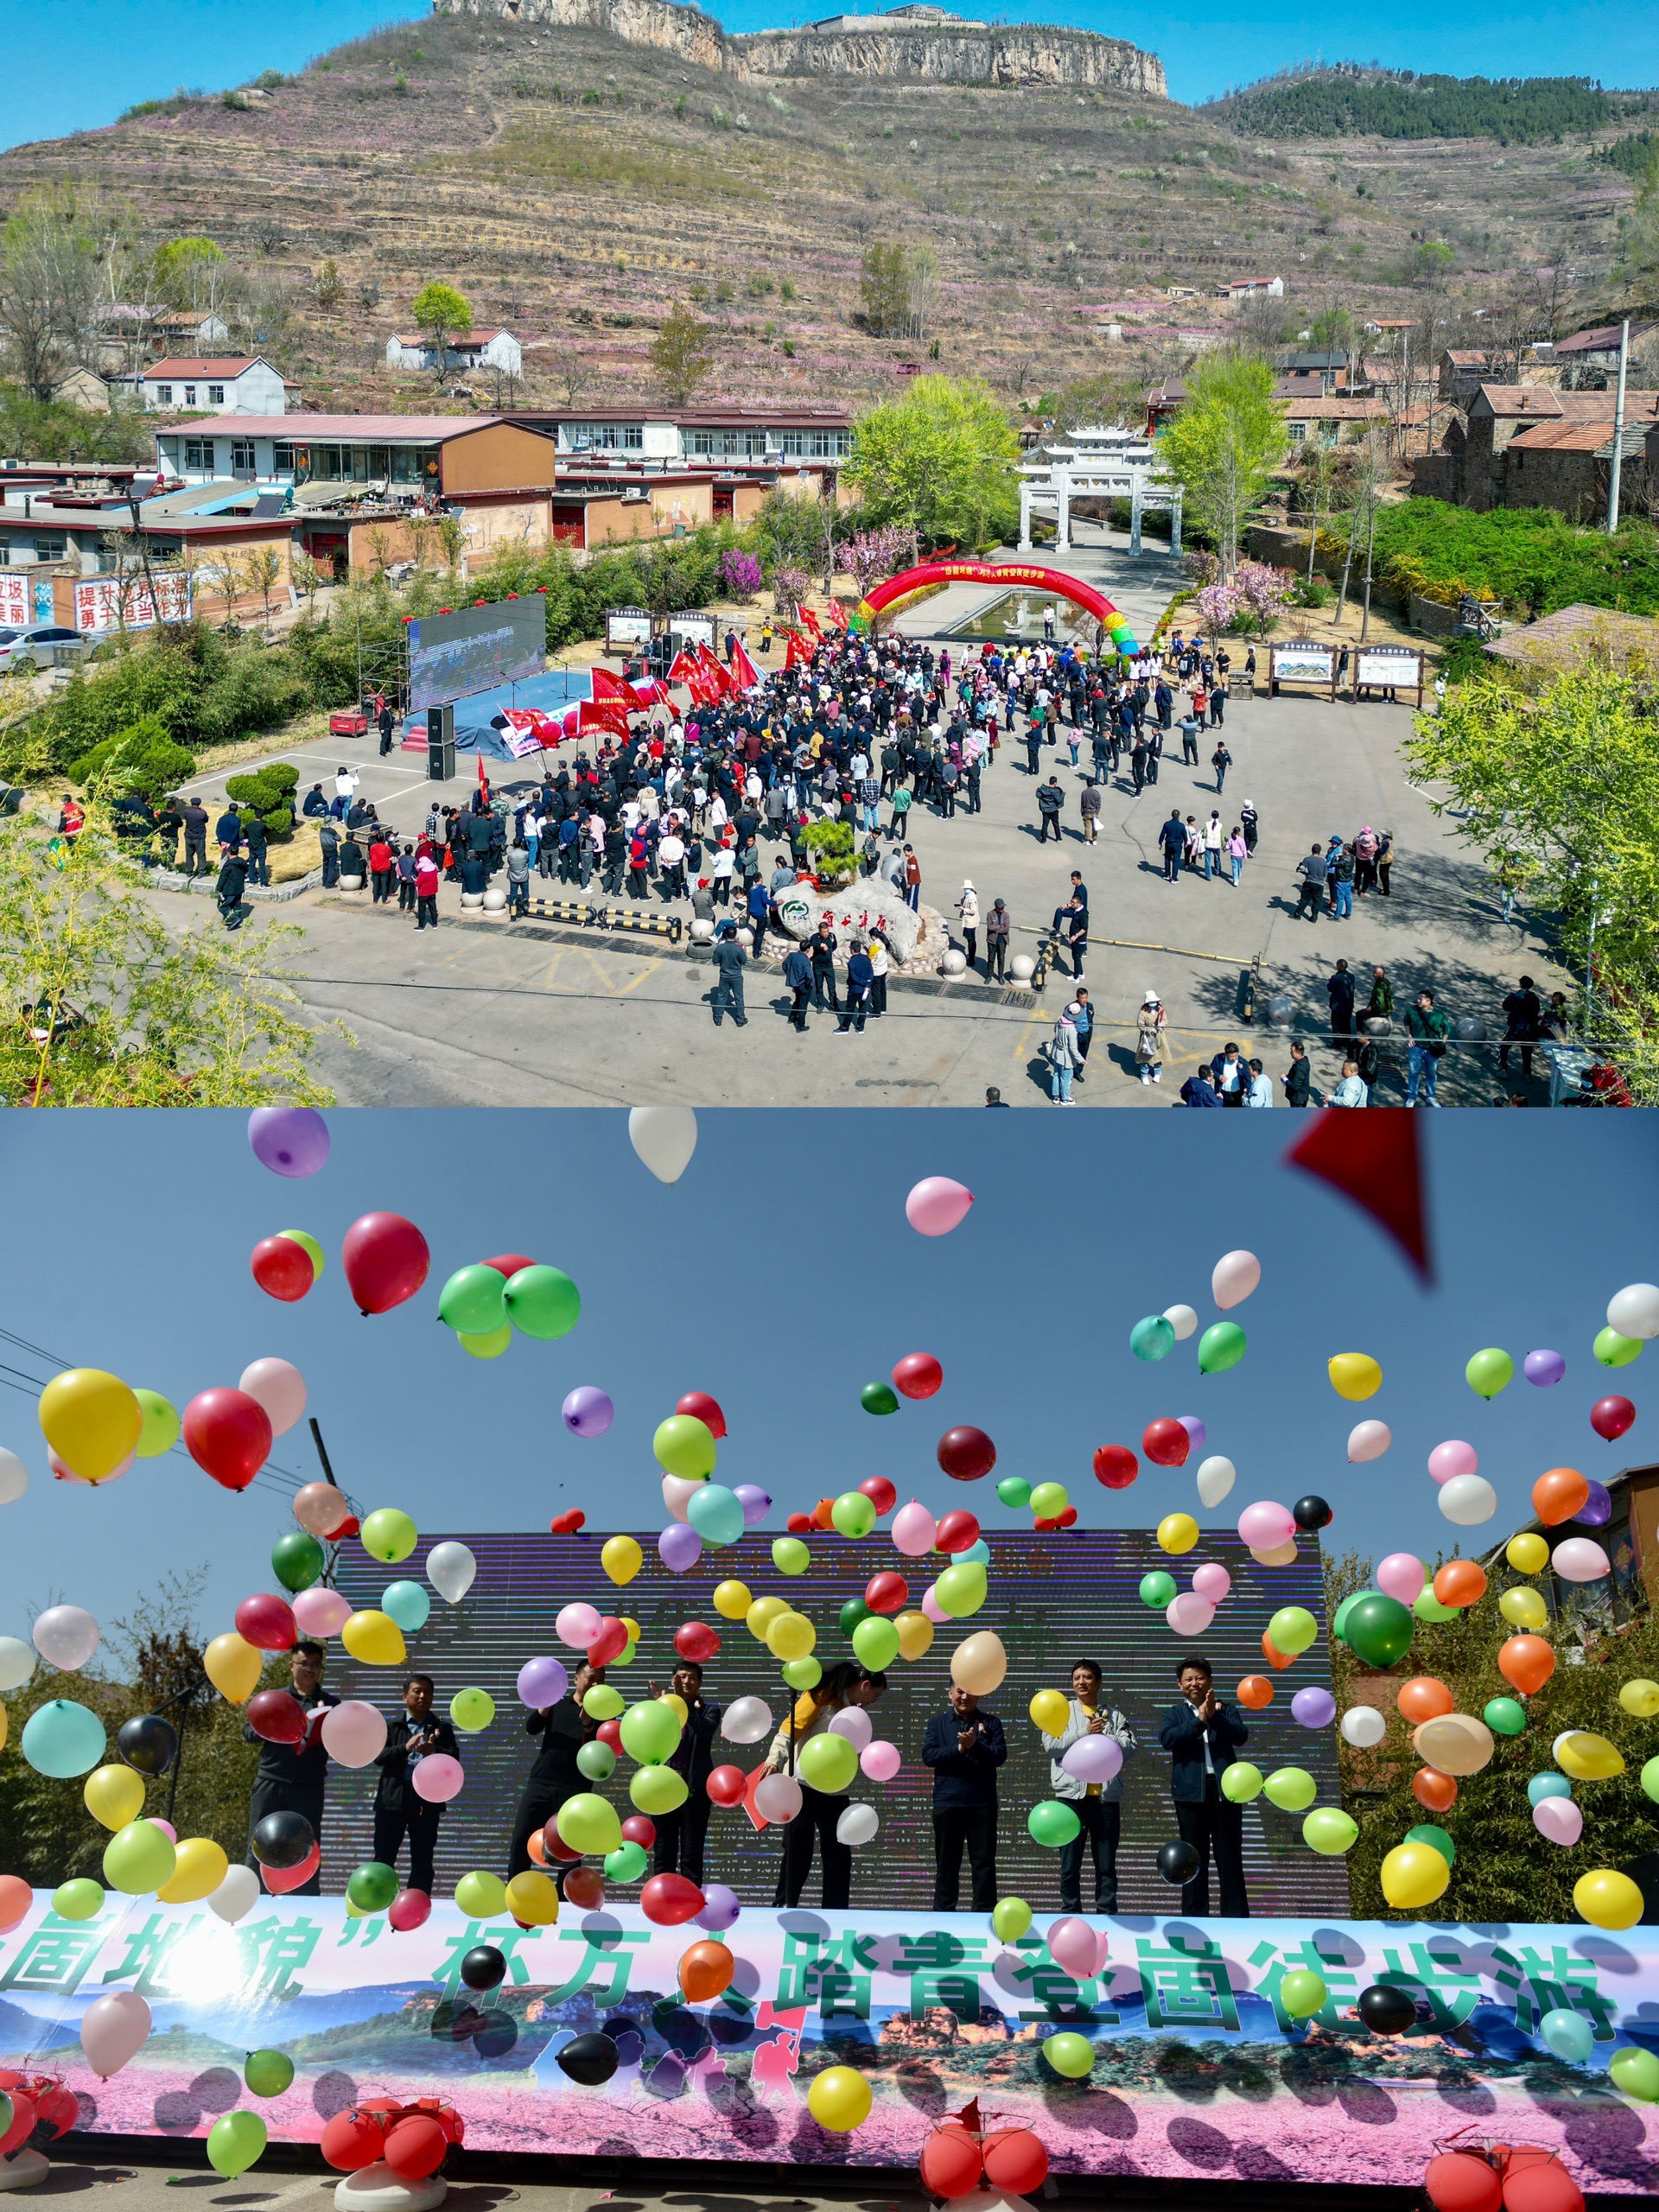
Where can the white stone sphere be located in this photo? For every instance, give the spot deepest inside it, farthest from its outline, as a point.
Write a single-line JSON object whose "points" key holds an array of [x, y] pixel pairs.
{"points": [[953, 962], [1022, 967], [472, 899], [702, 931], [495, 898], [351, 883]]}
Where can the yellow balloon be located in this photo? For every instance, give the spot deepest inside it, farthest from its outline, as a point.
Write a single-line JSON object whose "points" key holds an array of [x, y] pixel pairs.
{"points": [[1524, 1608], [732, 1600], [1050, 1710], [1354, 1375], [3, 1727], [791, 1636], [1608, 1899], [1278, 1555], [632, 1626], [1456, 1743], [91, 1421], [620, 1557], [979, 1663], [233, 1667], [1178, 1532], [761, 1615], [1527, 1552], [1415, 1874], [1640, 1697], [915, 1635], [534, 1896], [375, 1638], [1588, 1757], [839, 2099], [676, 1705], [114, 1796], [490, 1344], [198, 1867]]}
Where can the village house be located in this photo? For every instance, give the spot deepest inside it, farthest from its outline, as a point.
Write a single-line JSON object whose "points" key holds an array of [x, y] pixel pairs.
{"points": [[1252, 288], [1531, 446], [1337, 420], [232, 384], [475, 349], [1591, 357]]}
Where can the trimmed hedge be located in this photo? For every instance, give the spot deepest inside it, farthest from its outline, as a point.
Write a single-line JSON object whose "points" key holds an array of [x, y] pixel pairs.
{"points": [[1530, 558]]}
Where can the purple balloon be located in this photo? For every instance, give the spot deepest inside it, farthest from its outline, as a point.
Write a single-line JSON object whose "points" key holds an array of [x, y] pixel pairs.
{"points": [[1195, 1429], [755, 1503], [720, 1907], [589, 1411], [1315, 1708], [288, 1140], [1597, 1509], [679, 1546], [1546, 1368], [542, 1683]]}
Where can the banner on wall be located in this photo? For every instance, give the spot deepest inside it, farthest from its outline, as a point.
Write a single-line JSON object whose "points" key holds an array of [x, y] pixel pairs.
{"points": [[1199, 2068], [124, 602]]}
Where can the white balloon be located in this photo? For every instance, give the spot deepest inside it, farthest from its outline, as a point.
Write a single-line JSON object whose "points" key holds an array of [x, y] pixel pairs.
{"points": [[854, 1723], [858, 1824], [676, 1496], [1368, 1442], [16, 1662], [1580, 1559], [354, 1733], [1215, 1477], [14, 1477], [279, 1389], [664, 1137], [236, 1896], [1363, 1725], [113, 2028], [1233, 1276], [778, 1798], [745, 1720], [1634, 1311], [450, 1569], [1468, 1500], [1182, 1320], [1189, 1614], [65, 1635]]}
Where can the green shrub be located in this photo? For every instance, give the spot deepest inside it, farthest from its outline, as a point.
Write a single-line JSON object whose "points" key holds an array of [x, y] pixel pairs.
{"points": [[832, 852], [266, 793], [1313, 592], [141, 758], [279, 822], [1530, 558]]}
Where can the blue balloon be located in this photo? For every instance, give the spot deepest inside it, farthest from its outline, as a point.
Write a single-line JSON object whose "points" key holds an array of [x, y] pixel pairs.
{"points": [[1151, 1339], [407, 1603], [1547, 1785], [716, 1513], [979, 1550], [1569, 2035], [63, 1739]]}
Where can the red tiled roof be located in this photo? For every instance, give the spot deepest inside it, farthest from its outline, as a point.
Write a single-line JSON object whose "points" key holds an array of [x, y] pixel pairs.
{"points": [[1563, 438], [228, 364]]}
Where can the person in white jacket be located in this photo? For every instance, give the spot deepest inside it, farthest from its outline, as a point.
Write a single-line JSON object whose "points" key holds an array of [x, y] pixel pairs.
{"points": [[967, 907], [1098, 1805]]}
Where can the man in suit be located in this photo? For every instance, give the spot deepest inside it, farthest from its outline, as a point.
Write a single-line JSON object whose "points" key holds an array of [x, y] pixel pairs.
{"points": [[680, 1834], [965, 1747], [563, 1729], [293, 1778], [1201, 1734], [398, 1806]]}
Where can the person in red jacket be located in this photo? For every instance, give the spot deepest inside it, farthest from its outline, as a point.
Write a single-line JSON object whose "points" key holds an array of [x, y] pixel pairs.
{"points": [[426, 890], [381, 857]]}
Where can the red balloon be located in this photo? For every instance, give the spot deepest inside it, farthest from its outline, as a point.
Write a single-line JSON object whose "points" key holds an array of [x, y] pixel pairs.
{"points": [[966, 1454], [1165, 1443], [1116, 1466], [267, 1622], [567, 1524], [726, 1785], [282, 1268], [640, 1829], [585, 1888], [227, 1433], [279, 1880], [881, 1492], [886, 1593], [1610, 1417], [278, 1716], [918, 1375], [1067, 1520], [353, 2140], [57, 2108], [697, 1640], [508, 1263], [668, 1899], [952, 2163], [415, 2146], [955, 1532], [1015, 2160], [1544, 2187], [703, 1408], [610, 1731], [555, 1845], [23, 2123], [799, 1524], [410, 1909], [1461, 2181], [385, 1260], [610, 1641]]}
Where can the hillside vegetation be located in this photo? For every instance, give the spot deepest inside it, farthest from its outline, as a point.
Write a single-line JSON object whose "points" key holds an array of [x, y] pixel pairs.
{"points": [[1345, 101]]}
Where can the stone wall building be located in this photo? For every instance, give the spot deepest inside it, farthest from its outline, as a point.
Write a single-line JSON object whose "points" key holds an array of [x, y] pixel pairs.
{"points": [[1530, 446]]}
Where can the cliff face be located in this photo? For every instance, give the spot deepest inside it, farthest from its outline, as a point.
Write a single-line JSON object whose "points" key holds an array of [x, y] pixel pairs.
{"points": [[1025, 53]]}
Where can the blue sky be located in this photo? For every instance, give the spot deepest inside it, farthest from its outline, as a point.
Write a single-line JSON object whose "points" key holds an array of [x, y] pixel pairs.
{"points": [[1206, 45], [781, 1274]]}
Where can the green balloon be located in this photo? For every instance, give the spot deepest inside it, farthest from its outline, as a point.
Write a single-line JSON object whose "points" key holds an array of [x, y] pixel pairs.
{"points": [[828, 1763], [1221, 1346], [597, 1761], [1435, 1838], [138, 1857], [1340, 1618], [1379, 1630], [483, 1895], [1329, 1830], [588, 1824], [472, 1710], [852, 1514], [961, 1589], [471, 1301], [1292, 1628], [1157, 1589], [851, 1613], [1152, 1338], [296, 1560], [1241, 1782], [1427, 1606], [1489, 1372], [875, 1644], [603, 1701], [1015, 1490], [804, 1674], [81, 1899], [1505, 1716], [1301, 1994], [1292, 1788], [313, 1250], [372, 1886], [1048, 1500], [684, 1446], [651, 1731], [268, 2073], [790, 1555], [1650, 1778], [8, 2112], [1070, 2054], [388, 1535], [542, 1302], [1011, 1917], [1052, 1823], [234, 2141], [878, 1398], [1635, 2074], [626, 1863], [1610, 1348], [655, 1789], [160, 1431]]}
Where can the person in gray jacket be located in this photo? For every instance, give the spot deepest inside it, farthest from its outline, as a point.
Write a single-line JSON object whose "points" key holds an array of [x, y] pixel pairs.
{"points": [[1097, 1804]]}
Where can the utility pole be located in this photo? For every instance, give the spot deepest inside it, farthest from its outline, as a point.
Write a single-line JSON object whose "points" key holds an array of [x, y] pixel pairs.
{"points": [[1618, 427]]}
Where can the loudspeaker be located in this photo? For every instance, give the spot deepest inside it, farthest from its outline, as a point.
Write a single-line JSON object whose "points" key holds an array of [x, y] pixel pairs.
{"points": [[440, 743]]}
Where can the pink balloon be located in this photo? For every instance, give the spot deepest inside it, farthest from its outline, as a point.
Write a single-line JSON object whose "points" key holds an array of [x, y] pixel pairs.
{"points": [[932, 1606], [913, 1531], [279, 1389], [320, 1611], [1452, 1457], [354, 1733], [112, 2031], [1265, 1526], [410, 1909], [1094, 1759], [1073, 1946], [1401, 1576], [1212, 1581], [937, 1205], [577, 1625], [437, 1777], [1189, 1614], [854, 1723], [1580, 1559], [881, 1760], [676, 1496], [68, 1474], [166, 1826], [1558, 1820], [778, 1798], [1369, 1441]]}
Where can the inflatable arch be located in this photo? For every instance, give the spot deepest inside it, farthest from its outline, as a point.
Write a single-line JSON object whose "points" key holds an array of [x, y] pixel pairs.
{"points": [[887, 596]]}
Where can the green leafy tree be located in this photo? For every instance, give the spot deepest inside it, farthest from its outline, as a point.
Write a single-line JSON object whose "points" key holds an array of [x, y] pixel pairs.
{"points": [[1638, 243], [50, 253], [440, 313], [189, 273], [884, 289], [939, 462], [680, 352], [1223, 447]]}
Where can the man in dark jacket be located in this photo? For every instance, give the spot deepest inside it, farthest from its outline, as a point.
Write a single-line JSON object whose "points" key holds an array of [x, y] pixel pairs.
{"points": [[821, 950], [398, 1805], [1298, 1077], [329, 839], [293, 1778], [227, 831], [860, 974], [1172, 838], [729, 960], [680, 1834], [232, 881], [965, 1747], [259, 863], [1049, 799], [563, 1729], [798, 974], [1340, 988], [1199, 1090], [316, 805], [1201, 1734], [195, 838]]}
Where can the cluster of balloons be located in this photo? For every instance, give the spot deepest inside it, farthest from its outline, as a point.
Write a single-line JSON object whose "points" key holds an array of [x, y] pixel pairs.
{"points": [[485, 1302], [95, 1426], [287, 1265], [1189, 1612], [413, 2139]]}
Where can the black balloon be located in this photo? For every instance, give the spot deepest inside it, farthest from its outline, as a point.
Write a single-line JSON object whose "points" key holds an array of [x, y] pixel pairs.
{"points": [[484, 1967], [1387, 2012], [496, 2035], [148, 1743], [1311, 1513], [589, 2059], [283, 1840], [1178, 1861]]}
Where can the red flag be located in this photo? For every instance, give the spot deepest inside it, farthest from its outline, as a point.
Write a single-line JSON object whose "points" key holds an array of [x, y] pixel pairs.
{"points": [[837, 613], [483, 780], [1376, 1159], [608, 687], [797, 650], [684, 667], [743, 670], [715, 674], [810, 622]]}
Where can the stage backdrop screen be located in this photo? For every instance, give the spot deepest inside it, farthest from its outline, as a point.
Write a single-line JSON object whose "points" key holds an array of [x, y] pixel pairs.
{"points": [[452, 656], [1054, 1599]]}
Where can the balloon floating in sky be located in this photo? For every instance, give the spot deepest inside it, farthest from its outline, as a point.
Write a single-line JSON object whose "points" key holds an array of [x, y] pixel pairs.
{"points": [[1611, 1417], [918, 1375], [1354, 1375], [1233, 1278], [1543, 1370], [1369, 1441], [1634, 1311], [664, 1138], [386, 1262], [279, 1387], [290, 1140], [91, 1421], [1490, 1371], [966, 1453], [936, 1205], [587, 1411]]}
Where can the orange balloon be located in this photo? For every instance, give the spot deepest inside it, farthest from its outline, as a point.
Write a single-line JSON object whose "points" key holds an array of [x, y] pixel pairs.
{"points": [[1526, 1661], [1257, 1692], [1424, 1698], [824, 1513], [705, 1970], [1459, 1582], [1276, 1659], [534, 1847], [1438, 1792], [1557, 1496]]}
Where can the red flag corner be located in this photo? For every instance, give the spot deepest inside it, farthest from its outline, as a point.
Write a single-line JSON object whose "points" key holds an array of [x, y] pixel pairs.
{"points": [[1374, 1159]]}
